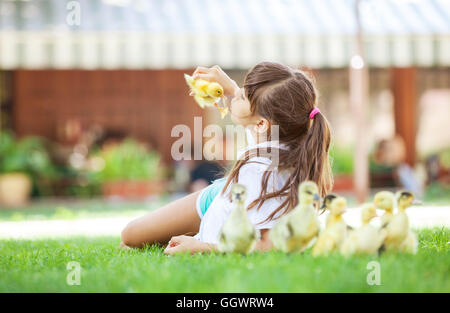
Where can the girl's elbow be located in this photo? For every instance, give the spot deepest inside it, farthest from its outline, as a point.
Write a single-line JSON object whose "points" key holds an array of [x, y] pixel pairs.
{"points": [[129, 238]]}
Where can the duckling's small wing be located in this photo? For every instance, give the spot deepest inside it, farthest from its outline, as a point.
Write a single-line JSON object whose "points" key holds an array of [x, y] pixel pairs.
{"points": [[222, 242], [279, 235], [289, 229], [203, 101], [255, 235]]}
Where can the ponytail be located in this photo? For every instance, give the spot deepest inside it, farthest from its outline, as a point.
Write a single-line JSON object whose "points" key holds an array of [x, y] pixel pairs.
{"points": [[312, 155]]}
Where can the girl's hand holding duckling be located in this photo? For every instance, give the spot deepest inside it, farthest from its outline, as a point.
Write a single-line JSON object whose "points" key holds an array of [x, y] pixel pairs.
{"points": [[216, 74]]}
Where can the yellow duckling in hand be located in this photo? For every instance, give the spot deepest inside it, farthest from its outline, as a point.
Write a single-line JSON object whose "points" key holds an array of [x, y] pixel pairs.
{"points": [[237, 233], [384, 200], [298, 228], [206, 94], [366, 239], [334, 233], [404, 200]]}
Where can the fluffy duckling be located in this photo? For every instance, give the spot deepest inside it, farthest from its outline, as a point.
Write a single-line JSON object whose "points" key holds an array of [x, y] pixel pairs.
{"points": [[334, 233], [237, 233], [404, 200], [326, 207], [384, 200], [397, 228], [366, 239], [206, 94], [298, 228]]}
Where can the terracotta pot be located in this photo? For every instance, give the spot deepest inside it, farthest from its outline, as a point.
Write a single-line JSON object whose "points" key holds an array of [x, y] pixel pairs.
{"points": [[15, 189], [133, 189], [343, 182]]}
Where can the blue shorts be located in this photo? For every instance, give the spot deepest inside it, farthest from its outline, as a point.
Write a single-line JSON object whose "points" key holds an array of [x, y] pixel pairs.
{"points": [[207, 195]]}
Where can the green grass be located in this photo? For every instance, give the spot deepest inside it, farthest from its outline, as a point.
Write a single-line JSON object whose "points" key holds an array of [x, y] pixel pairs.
{"points": [[40, 266]]}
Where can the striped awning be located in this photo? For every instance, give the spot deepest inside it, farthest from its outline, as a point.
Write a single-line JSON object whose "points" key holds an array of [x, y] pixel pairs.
{"points": [[232, 33]]}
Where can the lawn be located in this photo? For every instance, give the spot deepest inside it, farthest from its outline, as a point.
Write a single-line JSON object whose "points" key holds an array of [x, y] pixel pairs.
{"points": [[40, 266]]}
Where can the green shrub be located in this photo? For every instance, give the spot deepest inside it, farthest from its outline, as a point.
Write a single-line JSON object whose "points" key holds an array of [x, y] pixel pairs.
{"points": [[26, 155], [129, 160], [341, 159], [30, 156]]}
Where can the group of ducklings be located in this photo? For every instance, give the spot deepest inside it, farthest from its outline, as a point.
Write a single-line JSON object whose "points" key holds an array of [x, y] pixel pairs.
{"points": [[300, 228]]}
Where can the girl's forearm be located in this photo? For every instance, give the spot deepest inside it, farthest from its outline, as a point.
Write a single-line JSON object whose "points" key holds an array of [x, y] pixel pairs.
{"points": [[231, 89], [228, 101], [230, 97]]}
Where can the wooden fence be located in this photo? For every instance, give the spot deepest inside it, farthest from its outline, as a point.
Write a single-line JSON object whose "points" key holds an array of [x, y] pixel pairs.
{"points": [[142, 103]]}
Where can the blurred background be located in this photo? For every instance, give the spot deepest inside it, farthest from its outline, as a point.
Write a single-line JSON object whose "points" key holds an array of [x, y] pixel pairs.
{"points": [[90, 90]]}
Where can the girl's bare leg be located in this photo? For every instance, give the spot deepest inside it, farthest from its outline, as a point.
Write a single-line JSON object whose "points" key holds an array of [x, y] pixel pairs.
{"points": [[176, 218]]}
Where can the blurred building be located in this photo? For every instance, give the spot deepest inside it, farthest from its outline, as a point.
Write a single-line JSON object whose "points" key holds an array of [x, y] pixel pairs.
{"points": [[119, 63]]}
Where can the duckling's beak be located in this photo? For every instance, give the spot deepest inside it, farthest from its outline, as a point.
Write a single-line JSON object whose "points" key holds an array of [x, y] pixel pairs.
{"points": [[323, 206], [416, 202], [238, 196], [316, 197]]}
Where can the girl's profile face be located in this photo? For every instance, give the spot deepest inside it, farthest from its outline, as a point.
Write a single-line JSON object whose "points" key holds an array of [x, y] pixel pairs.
{"points": [[240, 109]]}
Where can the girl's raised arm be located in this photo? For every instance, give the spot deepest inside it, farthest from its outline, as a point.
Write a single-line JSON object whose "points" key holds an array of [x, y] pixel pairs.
{"points": [[216, 74]]}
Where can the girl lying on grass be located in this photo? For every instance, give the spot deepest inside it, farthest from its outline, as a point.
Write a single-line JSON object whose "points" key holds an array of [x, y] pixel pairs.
{"points": [[273, 94]]}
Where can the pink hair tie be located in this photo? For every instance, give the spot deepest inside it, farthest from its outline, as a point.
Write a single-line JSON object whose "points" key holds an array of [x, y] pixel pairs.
{"points": [[313, 113]]}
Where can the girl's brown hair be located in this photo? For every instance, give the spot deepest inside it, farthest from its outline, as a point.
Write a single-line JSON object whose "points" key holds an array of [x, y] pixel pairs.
{"points": [[285, 97]]}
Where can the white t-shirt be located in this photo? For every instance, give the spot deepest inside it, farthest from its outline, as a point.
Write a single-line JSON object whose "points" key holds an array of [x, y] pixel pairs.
{"points": [[250, 175]]}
